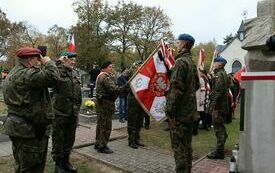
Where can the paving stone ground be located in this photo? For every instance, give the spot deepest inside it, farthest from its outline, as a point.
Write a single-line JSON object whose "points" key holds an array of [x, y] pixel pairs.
{"points": [[85, 133], [148, 160], [142, 160], [211, 166]]}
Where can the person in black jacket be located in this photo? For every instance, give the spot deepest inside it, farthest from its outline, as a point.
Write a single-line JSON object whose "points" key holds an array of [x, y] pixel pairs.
{"points": [[121, 81]]}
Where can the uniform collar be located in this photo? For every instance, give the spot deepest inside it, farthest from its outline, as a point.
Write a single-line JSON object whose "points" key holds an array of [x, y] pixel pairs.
{"points": [[218, 70], [184, 53]]}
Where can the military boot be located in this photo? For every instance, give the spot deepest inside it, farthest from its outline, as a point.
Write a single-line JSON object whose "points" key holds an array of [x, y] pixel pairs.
{"points": [[217, 154], [134, 146], [139, 143], [105, 150], [67, 165], [59, 167], [96, 147]]}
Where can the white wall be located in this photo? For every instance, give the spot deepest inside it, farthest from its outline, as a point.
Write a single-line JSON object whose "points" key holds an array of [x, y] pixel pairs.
{"points": [[257, 141], [232, 53]]}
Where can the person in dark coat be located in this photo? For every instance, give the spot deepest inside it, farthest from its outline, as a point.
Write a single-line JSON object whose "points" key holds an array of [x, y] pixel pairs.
{"points": [[121, 81]]}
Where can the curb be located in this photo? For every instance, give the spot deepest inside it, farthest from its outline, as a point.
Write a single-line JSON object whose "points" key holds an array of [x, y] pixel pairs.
{"points": [[103, 162], [199, 160], [99, 160], [92, 143]]}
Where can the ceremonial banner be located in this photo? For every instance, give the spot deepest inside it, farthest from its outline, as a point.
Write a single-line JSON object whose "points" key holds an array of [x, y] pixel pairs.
{"points": [[71, 43], [201, 59], [167, 54], [151, 82]]}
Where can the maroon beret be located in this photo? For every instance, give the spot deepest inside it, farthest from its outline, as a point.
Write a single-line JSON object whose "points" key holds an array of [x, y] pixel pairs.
{"points": [[27, 52]]}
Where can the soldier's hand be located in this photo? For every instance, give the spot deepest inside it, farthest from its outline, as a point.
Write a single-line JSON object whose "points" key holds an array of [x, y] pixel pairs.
{"points": [[44, 59]]}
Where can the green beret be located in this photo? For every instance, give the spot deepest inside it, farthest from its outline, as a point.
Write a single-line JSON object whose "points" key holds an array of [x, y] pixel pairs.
{"points": [[138, 62], [69, 54]]}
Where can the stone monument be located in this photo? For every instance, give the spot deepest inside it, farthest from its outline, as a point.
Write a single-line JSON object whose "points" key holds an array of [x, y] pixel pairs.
{"points": [[257, 140], [257, 31]]}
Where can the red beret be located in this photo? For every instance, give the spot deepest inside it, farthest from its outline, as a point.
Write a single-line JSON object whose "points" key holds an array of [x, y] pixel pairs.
{"points": [[27, 52]]}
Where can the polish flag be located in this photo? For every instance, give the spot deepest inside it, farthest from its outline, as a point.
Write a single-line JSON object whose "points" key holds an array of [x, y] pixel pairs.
{"points": [[71, 43], [201, 59]]}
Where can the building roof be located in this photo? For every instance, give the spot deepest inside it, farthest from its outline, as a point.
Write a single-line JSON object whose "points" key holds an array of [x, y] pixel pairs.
{"points": [[241, 28], [221, 48], [257, 31]]}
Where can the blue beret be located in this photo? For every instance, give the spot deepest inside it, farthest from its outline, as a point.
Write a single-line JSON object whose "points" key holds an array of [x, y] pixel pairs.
{"points": [[69, 54], [220, 59], [186, 37]]}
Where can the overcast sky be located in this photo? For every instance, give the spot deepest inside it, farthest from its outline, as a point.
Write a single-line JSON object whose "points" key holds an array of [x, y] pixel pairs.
{"points": [[204, 19]]}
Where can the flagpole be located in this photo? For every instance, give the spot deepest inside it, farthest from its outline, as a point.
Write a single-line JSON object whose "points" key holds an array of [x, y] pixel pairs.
{"points": [[200, 61], [212, 62]]}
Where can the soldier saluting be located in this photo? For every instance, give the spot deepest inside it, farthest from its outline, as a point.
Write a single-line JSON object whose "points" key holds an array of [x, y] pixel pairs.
{"points": [[67, 102], [219, 105], [29, 109]]}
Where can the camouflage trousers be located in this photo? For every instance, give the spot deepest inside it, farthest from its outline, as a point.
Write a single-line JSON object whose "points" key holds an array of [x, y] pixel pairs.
{"points": [[63, 136], [181, 140], [29, 154], [104, 126], [146, 120], [135, 120], [220, 129]]}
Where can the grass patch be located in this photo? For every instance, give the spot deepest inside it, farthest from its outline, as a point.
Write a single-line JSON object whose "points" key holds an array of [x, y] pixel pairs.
{"points": [[3, 109], [83, 164], [202, 144]]}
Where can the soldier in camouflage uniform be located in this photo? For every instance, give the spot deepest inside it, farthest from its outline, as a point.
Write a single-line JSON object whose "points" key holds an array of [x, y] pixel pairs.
{"points": [[219, 105], [181, 103], [135, 113], [106, 94], [67, 102], [29, 109]]}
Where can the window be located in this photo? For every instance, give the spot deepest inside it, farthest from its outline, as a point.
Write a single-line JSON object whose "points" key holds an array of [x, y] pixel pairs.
{"points": [[236, 66]]}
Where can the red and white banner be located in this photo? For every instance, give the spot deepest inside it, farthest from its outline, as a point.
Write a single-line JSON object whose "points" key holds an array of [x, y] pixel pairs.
{"points": [[71, 43], [167, 54], [151, 82], [201, 59]]}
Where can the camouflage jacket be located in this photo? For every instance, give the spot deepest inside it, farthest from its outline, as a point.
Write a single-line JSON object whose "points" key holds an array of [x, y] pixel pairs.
{"points": [[106, 91], [27, 97], [67, 92], [219, 93], [184, 82]]}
